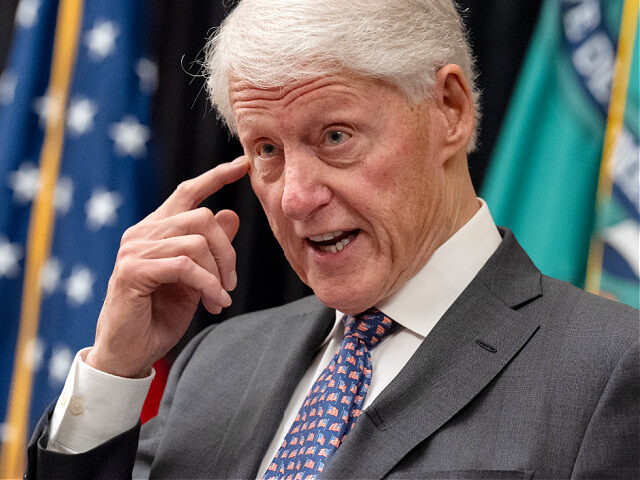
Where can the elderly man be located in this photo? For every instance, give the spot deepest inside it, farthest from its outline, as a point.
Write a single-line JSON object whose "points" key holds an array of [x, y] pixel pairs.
{"points": [[433, 347]]}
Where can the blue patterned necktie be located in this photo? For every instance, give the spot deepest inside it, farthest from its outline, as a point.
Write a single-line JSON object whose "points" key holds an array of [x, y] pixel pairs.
{"points": [[333, 403]]}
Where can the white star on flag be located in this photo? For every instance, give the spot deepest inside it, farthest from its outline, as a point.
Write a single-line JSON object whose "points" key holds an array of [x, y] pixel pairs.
{"points": [[101, 39], [48, 108], [50, 275], [34, 353], [8, 83], [79, 286], [129, 137], [59, 364], [63, 195], [80, 115], [27, 12], [147, 71], [102, 208], [10, 255], [25, 183]]}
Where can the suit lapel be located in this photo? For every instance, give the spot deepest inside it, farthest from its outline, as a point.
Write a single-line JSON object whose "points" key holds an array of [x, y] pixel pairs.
{"points": [[473, 341], [288, 352]]}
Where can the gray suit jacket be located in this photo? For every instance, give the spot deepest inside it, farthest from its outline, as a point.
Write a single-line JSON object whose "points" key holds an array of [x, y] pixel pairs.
{"points": [[523, 377]]}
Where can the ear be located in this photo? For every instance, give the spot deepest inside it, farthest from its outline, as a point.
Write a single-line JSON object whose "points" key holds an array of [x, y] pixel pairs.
{"points": [[455, 104]]}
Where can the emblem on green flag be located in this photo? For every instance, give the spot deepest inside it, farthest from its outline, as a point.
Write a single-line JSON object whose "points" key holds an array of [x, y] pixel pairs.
{"points": [[570, 192]]}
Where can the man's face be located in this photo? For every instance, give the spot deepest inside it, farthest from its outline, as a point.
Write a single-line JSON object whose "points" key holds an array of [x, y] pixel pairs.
{"points": [[350, 176]]}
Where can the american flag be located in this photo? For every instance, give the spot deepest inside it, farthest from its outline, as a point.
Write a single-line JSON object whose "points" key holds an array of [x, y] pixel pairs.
{"points": [[74, 173]]}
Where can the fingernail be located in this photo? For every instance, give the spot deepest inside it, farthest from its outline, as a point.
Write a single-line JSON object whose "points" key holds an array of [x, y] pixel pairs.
{"points": [[233, 280], [226, 299], [239, 160]]}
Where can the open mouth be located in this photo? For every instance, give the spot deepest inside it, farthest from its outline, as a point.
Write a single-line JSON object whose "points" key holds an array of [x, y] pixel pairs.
{"points": [[332, 241]]}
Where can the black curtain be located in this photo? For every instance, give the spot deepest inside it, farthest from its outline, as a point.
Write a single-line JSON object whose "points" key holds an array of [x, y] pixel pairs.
{"points": [[499, 31], [189, 140], [7, 13]]}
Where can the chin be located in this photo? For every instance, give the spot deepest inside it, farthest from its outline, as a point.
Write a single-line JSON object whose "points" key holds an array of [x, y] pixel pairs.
{"points": [[347, 301]]}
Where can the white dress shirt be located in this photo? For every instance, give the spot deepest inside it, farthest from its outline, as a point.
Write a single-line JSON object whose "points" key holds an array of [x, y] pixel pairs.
{"points": [[95, 406]]}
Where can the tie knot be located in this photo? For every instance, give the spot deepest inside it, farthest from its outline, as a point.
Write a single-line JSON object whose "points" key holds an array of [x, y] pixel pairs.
{"points": [[370, 326]]}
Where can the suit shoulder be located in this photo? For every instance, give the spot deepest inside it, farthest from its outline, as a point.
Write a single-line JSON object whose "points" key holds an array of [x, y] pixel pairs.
{"points": [[582, 313], [596, 305]]}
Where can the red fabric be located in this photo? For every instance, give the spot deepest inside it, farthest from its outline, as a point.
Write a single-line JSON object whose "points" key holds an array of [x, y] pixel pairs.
{"points": [[152, 402]]}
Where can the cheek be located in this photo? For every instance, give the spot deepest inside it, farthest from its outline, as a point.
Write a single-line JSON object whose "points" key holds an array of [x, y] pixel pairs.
{"points": [[405, 191], [269, 197], [393, 172]]}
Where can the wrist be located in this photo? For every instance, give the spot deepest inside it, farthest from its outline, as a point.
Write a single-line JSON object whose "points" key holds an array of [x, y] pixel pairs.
{"points": [[105, 363]]}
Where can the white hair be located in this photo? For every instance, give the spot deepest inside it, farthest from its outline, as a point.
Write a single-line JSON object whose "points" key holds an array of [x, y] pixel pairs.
{"points": [[272, 43]]}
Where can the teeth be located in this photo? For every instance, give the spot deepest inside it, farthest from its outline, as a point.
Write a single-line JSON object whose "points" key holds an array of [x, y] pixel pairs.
{"points": [[338, 245], [323, 237]]}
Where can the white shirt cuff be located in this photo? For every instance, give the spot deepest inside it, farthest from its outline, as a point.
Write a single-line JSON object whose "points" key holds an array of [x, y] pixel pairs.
{"points": [[94, 407]]}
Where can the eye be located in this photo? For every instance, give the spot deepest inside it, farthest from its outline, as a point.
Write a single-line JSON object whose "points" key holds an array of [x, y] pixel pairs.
{"points": [[266, 150], [336, 137]]}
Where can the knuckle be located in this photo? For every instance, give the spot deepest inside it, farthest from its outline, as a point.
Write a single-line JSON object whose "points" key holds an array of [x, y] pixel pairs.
{"points": [[131, 249], [183, 262], [200, 243], [126, 267], [185, 188], [128, 235], [204, 214], [123, 252]]}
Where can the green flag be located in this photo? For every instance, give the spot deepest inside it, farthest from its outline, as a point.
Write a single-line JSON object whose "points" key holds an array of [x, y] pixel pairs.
{"points": [[543, 179]]}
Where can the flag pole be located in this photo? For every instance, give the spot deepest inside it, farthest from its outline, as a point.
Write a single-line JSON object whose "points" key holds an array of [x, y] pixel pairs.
{"points": [[39, 237], [615, 121]]}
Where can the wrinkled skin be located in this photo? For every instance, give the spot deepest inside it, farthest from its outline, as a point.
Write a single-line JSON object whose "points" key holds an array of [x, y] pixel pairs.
{"points": [[345, 153]]}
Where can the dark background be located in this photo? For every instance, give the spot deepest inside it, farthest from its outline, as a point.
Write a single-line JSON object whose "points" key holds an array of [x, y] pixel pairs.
{"points": [[190, 141]]}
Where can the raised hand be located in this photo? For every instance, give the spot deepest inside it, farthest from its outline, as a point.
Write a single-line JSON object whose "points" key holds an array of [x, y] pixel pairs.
{"points": [[178, 255]]}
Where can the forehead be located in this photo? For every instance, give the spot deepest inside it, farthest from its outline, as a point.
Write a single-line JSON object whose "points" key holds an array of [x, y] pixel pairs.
{"points": [[328, 93]]}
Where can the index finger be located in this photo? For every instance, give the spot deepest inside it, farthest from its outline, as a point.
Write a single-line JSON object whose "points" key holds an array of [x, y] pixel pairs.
{"points": [[192, 192]]}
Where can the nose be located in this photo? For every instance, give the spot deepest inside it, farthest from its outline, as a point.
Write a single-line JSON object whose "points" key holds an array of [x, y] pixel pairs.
{"points": [[305, 189]]}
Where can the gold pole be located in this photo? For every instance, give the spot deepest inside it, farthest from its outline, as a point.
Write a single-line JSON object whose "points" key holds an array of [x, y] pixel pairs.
{"points": [[615, 121]]}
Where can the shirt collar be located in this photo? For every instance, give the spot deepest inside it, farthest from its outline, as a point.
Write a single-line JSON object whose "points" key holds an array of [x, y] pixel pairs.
{"points": [[420, 302]]}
